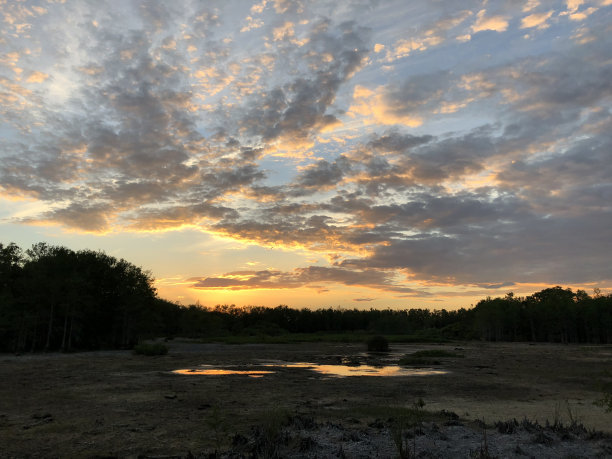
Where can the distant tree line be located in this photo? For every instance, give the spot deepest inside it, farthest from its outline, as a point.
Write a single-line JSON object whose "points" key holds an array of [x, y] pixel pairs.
{"points": [[552, 315], [54, 298]]}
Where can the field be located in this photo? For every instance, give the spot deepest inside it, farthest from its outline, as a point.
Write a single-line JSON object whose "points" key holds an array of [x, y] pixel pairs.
{"points": [[117, 404]]}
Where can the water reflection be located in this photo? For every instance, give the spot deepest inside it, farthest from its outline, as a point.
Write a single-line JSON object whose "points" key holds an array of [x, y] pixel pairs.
{"points": [[336, 371], [341, 371], [219, 371]]}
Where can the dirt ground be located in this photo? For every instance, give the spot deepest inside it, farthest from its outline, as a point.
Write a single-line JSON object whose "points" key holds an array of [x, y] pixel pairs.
{"points": [[116, 404]]}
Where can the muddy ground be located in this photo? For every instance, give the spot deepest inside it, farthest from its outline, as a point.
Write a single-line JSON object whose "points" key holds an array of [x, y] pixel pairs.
{"points": [[116, 404]]}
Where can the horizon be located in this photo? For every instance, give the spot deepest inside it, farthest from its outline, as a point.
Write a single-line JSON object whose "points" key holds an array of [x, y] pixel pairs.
{"points": [[354, 154]]}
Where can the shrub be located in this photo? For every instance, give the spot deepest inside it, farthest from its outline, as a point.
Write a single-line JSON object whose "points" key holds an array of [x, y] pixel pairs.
{"points": [[378, 344], [151, 349]]}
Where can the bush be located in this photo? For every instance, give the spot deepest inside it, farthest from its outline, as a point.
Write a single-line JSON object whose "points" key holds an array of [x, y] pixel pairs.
{"points": [[151, 349], [378, 344]]}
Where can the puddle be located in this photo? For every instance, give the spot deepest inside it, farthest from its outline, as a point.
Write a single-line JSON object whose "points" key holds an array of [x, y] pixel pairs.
{"points": [[336, 371], [221, 372], [341, 371]]}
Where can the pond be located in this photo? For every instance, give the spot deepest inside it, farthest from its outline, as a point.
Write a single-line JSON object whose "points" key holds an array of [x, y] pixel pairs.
{"points": [[335, 371], [221, 372]]}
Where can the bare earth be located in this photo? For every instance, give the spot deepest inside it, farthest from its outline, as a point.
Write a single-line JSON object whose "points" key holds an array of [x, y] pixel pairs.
{"points": [[116, 404]]}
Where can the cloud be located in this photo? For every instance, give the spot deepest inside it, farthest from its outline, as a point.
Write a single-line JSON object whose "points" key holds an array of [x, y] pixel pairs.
{"points": [[496, 23], [538, 20], [88, 218], [536, 248], [419, 98], [374, 106], [134, 146], [324, 174], [403, 47], [283, 32], [37, 77], [399, 154], [259, 7], [575, 15], [530, 5], [396, 142], [432, 34], [450, 159], [299, 108], [582, 15], [251, 24], [175, 217], [579, 175], [311, 277]]}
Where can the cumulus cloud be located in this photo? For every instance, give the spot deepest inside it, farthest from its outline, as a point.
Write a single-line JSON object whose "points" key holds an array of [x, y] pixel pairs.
{"points": [[324, 174], [538, 20], [483, 22], [433, 34], [401, 155], [375, 107], [37, 77], [420, 97], [299, 108]]}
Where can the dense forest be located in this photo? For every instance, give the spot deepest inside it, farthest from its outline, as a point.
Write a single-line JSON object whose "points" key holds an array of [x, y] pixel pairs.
{"points": [[54, 298]]}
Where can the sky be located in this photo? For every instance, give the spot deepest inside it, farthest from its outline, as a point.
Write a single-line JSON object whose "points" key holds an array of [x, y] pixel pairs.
{"points": [[354, 154]]}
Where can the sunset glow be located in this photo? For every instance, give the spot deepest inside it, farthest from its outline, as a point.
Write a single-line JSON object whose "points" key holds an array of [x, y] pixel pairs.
{"points": [[350, 154]]}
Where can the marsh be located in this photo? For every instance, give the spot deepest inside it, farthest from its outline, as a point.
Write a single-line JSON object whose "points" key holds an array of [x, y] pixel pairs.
{"points": [[120, 404]]}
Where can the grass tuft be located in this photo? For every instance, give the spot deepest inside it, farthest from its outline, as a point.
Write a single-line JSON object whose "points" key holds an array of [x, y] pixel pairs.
{"points": [[378, 344]]}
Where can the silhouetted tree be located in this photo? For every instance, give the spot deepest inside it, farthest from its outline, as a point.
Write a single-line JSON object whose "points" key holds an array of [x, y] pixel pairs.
{"points": [[56, 298]]}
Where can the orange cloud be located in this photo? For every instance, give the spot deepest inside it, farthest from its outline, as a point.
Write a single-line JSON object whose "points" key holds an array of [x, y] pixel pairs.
{"points": [[536, 20], [530, 5], [375, 109], [573, 5], [404, 47], [283, 32], [582, 15], [495, 23], [575, 15], [37, 77], [259, 7], [311, 277]]}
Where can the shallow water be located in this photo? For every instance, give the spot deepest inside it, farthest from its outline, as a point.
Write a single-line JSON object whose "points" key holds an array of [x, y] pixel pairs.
{"points": [[341, 371], [221, 372], [336, 371]]}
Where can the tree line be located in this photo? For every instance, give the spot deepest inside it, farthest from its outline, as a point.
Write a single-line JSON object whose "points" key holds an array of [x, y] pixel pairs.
{"points": [[54, 298]]}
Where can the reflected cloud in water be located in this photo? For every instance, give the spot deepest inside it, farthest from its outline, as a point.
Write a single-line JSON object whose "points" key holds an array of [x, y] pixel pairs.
{"points": [[222, 372], [336, 371], [341, 371]]}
